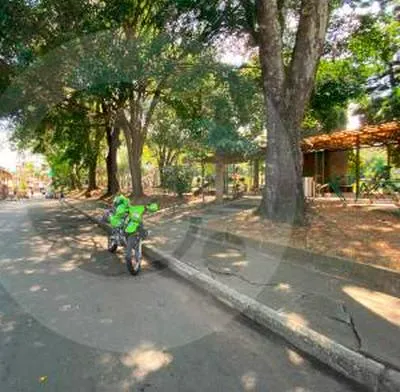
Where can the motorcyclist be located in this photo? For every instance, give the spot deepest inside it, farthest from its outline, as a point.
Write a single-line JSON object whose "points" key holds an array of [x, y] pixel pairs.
{"points": [[123, 208]]}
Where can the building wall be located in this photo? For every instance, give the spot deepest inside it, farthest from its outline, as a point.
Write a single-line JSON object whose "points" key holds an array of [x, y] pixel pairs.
{"points": [[337, 164], [324, 165], [4, 191], [309, 165]]}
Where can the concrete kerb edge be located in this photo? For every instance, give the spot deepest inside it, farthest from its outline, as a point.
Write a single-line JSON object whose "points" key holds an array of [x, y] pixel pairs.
{"points": [[355, 366], [383, 279]]}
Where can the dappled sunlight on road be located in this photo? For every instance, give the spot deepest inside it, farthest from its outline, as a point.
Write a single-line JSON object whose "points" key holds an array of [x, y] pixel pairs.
{"points": [[294, 357], [146, 359], [6, 326], [227, 254], [69, 266], [296, 318], [284, 287], [249, 381], [383, 305], [240, 263]]}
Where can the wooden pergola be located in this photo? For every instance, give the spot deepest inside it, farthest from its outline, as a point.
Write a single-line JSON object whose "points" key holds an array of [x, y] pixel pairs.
{"points": [[368, 136], [344, 140]]}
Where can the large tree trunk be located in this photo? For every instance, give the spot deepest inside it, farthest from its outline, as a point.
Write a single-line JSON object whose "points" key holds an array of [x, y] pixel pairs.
{"points": [[166, 157], [283, 198], [135, 142], [161, 167], [219, 181], [92, 160], [256, 174], [286, 92], [92, 176], [73, 181], [76, 177], [113, 186], [135, 130], [136, 169]]}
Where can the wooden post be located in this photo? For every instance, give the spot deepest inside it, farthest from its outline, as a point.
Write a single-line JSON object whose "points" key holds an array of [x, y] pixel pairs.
{"points": [[358, 168], [219, 181], [316, 167], [389, 160]]}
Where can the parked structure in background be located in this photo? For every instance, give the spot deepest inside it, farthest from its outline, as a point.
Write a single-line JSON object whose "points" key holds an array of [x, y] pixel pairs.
{"points": [[5, 183], [31, 174], [327, 161]]}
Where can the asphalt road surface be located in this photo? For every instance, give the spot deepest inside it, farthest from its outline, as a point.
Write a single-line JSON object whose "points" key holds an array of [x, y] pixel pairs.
{"points": [[72, 319]]}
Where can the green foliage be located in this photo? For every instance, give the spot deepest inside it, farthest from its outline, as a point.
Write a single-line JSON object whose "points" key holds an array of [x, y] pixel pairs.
{"points": [[168, 135], [395, 155], [381, 110], [221, 108], [373, 162], [338, 82], [376, 41], [23, 186], [375, 167], [178, 179]]}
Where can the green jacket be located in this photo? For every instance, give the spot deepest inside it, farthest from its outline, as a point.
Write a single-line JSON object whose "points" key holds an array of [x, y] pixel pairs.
{"points": [[128, 216]]}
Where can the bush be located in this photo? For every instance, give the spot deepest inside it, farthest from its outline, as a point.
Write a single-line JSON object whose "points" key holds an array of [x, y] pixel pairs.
{"points": [[178, 179]]}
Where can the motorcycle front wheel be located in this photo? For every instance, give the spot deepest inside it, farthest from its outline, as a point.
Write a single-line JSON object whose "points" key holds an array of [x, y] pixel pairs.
{"points": [[133, 255]]}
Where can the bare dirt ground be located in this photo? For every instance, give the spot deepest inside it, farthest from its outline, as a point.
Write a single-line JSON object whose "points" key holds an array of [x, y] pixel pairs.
{"points": [[367, 234], [164, 199]]}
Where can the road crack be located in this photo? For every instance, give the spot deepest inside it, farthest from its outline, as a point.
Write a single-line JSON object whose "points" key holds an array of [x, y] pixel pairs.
{"points": [[232, 274], [353, 327]]}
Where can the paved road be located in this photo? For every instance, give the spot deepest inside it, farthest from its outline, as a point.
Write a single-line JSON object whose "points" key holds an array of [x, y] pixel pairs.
{"points": [[71, 319]]}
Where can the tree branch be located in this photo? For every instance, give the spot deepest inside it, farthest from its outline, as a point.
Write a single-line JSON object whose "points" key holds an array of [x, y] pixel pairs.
{"points": [[307, 52], [270, 41], [153, 104], [281, 12], [251, 19], [121, 121]]}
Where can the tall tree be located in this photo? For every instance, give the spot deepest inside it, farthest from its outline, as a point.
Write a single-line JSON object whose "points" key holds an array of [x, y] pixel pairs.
{"points": [[168, 137], [140, 23], [288, 72], [286, 91]]}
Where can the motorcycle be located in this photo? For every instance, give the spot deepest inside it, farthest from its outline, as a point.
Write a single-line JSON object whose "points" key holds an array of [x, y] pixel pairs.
{"points": [[129, 233]]}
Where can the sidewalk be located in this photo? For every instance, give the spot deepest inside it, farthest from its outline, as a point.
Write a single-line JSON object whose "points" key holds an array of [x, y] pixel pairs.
{"points": [[343, 309]]}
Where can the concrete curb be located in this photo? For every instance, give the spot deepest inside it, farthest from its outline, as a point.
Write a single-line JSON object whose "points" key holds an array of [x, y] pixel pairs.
{"points": [[380, 279], [355, 366]]}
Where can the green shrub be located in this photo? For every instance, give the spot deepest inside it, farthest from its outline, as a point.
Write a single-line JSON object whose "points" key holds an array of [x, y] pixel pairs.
{"points": [[178, 179]]}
